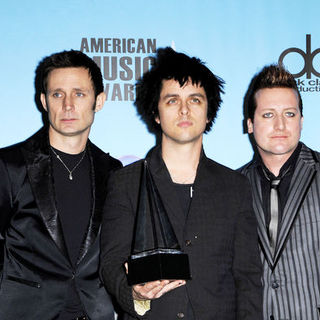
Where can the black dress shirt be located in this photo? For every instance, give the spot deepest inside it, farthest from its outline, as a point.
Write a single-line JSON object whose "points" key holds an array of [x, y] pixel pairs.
{"points": [[266, 176]]}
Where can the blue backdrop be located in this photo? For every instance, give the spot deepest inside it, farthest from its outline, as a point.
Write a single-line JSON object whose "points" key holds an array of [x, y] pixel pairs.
{"points": [[235, 38]]}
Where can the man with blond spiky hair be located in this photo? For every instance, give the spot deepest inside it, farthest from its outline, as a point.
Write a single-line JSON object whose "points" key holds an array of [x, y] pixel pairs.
{"points": [[285, 180]]}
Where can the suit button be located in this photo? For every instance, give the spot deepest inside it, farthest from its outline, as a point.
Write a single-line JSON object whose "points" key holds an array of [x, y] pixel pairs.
{"points": [[275, 285], [180, 315], [188, 243]]}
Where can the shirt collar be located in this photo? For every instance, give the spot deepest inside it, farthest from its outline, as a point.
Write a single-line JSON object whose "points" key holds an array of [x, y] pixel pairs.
{"points": [[287, 166]]}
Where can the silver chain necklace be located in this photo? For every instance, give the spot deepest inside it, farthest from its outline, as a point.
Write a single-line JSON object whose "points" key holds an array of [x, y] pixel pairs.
{"points": [[75, 167]]}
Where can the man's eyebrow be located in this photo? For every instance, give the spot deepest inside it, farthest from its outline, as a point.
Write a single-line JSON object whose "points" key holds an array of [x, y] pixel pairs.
{"points": [[272, 108], [196, 94], [74, 89], [54, 89], [170, 95]]}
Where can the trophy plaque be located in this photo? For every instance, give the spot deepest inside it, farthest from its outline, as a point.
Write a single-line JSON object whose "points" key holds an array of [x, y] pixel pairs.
{"points": [[155, 253]]}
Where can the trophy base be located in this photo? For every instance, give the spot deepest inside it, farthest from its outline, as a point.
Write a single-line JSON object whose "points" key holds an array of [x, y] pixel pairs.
{"points": [[158, 264]]}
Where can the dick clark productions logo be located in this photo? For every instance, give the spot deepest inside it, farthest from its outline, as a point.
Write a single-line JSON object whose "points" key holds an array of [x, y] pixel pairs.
{"points": [[307, 85]]}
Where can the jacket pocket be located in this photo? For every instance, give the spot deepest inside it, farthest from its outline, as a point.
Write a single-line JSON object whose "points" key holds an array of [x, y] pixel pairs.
{"points": [[23, 281]]}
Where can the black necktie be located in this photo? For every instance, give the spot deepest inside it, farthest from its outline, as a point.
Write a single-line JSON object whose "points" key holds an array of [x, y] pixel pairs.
{"points": [[274, 213]]}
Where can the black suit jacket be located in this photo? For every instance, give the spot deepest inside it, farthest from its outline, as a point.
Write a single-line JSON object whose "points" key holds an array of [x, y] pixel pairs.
{"points": [[36, 270], [219, 235]]}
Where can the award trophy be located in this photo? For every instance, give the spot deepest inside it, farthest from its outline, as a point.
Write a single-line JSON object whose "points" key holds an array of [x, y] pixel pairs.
{"points": [[155, 252]]}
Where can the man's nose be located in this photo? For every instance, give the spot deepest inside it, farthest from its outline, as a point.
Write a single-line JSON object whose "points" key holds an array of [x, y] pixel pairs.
{"points": [[68, 104], [280, 122], [184, 108]]}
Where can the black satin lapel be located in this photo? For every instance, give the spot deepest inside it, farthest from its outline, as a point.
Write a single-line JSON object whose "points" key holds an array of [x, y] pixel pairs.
{"points": [[300, 184], [40, 177], [99, 174]]}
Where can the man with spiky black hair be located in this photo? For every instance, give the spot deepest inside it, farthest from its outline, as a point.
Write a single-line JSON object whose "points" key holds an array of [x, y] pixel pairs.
{"points": [[181, 68], [209, 205]]}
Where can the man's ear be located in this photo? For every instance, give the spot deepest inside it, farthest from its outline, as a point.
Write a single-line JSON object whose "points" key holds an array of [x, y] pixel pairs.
{"points": [[157, 119], [100, 100], [250, 125], [43, 101]]}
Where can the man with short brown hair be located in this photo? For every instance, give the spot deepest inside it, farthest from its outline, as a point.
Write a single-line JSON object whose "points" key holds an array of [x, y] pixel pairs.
{"points": [[52, 190]]}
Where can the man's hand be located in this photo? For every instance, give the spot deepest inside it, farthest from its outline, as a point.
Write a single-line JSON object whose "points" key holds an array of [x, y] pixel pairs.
{"points": [[154, 289]]}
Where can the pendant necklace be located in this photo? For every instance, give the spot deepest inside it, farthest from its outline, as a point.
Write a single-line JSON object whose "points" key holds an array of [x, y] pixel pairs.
{"points": [[75, 167]]}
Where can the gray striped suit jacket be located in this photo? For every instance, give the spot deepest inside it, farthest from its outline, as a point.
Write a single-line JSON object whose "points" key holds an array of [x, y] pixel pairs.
{"points": [[292, 279]]}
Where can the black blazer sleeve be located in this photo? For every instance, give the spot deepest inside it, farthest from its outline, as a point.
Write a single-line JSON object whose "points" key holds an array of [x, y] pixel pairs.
{"points": [[5, 206], [247, 268], [116, 237]]}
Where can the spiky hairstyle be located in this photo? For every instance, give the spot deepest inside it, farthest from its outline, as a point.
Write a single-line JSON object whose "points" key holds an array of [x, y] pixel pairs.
{"points": [[271, 76], [167, 65]]}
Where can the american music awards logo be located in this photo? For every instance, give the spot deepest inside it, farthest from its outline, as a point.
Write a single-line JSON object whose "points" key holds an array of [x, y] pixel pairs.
{"points": [[308, 78], [122, 61]]}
